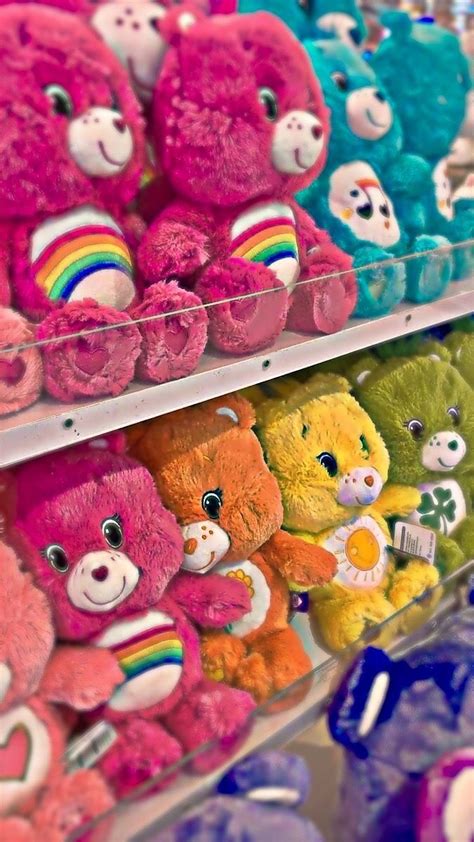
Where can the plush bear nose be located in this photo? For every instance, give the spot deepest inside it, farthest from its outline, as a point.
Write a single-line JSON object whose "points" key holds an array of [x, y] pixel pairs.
{"points": [[190, 546], [120, 125], [369, 480], [100, 573]]}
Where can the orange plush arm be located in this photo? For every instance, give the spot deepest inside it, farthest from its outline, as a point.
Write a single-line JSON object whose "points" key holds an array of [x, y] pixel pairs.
{"points": [[304, 564], [82, 677]]}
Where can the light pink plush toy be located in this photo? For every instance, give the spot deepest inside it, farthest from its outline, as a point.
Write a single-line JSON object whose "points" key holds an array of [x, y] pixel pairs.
{"points": [[239, 126], [71, 156], [105, 550], [21, 368], [38, 800]]}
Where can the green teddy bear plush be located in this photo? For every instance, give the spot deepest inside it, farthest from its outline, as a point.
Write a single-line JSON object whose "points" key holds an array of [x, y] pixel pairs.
{"points": [[424, 410]]}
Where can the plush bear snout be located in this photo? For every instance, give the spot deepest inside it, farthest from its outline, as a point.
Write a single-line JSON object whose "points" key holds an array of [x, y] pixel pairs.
{"points": [[102, 580], [359, 487], [369, 115], [100, 142], [444, 451], [205, 544], [298, 142]]}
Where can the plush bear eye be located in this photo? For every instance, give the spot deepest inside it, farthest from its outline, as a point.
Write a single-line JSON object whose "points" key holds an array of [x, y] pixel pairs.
{"points": [[212, 503], [60, 100], [269, 102], [415, 427], [328, 461], [455, 414], [57, 557], [364, 444], [113, 532], [340, 80]]}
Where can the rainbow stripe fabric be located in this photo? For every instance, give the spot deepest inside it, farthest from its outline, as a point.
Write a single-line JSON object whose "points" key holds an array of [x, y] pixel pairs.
{"points": [[268, 241], [75, 254], [149, 650]]}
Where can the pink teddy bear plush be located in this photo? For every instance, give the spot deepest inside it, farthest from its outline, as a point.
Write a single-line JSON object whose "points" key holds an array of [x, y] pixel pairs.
{"points": [[239, 126], [39, 801], [105, 551], [71, 156]]}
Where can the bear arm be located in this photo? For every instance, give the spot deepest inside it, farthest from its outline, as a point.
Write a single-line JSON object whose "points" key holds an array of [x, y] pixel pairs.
{"points": [[305, 564], [397, 500], [410, 176], [176, 245], [210, 600], [134, 229], [309, 235], [82, 677]]}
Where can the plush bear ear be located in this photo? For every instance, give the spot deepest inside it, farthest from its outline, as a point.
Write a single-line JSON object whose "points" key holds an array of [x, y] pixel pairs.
{"points": [[178, 21], [362, 369], [237, 408], [399, 24], [326, 383]]}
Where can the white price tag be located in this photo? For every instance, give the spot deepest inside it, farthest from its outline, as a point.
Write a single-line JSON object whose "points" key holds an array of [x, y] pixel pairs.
{"points": [[413, 540], [84, 751]]}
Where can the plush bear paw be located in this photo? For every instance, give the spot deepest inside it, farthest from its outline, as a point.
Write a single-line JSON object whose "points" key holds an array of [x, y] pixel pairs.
{"points": [[248, 323], [143, 750], [429, 275], [15, 829], [76, 800], [379, 287], [99, 362], [342, 621], [174, 341], [323, 305], [221, 655], [253, 676]]}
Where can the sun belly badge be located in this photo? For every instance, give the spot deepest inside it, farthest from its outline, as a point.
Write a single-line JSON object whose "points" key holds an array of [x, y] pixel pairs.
{"points": [[360, 547]]}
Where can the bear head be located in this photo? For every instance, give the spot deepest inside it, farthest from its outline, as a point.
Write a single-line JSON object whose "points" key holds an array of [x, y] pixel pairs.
{"points": [[338, 20], [97, 538], [209, 470], [73, 132], [364, 123], [424, 410], [26, 632], [324, 450], [427, 76], [238, 112]]}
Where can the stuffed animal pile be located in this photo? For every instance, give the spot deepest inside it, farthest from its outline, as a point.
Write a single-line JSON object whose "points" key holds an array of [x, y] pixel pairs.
{"points": [[154, 179]]}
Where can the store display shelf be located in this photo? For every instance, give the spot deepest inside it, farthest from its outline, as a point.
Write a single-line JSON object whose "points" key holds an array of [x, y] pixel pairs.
{"points": [[48, 426], [138, 820]]}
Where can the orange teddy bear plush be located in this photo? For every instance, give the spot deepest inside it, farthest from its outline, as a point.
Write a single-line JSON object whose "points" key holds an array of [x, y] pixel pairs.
{"points": [[210, 471]]}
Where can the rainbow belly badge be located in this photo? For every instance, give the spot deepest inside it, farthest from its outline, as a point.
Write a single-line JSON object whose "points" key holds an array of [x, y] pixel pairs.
{"points": [[83, 254], [267, 234], [150, 654]]}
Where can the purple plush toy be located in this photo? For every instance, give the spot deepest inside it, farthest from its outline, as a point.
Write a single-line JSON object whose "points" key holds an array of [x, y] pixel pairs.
{"points": [[256, 802], [445, 805], [395, 720]]}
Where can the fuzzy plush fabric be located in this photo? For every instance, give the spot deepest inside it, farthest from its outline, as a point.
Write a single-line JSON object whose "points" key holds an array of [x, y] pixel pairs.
{"points": [[32, 676], [429, 433], [431, 110], [389, 745], [91, 365], [331, 465], [442, 808], [242, 87], [461, 346], [21, 371], [255, 802], [171, 345], [111, 581], [210, 471], [369, 192]]}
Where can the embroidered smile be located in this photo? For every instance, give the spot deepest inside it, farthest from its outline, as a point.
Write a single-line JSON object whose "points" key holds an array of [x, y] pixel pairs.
{"points": [[298, 160], [374, 121], [445, 465], [108, 158], [213, 555], [107, 601]]}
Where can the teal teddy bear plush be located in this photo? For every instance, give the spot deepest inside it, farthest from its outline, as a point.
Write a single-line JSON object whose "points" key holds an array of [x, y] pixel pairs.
{"points": [[322, 19], [369, 190], [427, 76]]}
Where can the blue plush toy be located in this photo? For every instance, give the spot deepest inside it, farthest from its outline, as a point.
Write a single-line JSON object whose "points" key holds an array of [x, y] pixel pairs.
{"points": [[340, 19], [427, 76], [369, 192], [395, 719], [256, 801]]}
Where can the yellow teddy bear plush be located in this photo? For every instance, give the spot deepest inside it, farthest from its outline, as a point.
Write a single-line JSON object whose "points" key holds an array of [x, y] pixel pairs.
{"points": [[331, 465]]}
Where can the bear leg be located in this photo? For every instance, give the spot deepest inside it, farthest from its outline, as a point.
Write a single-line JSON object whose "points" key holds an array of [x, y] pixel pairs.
{"points": [[249, 323], [380, 288], [428, 275], [143, 750], [173, 344], [323, 305], [211, 713], [221, 654], [89, 350], [341, 619], [74, 801]]}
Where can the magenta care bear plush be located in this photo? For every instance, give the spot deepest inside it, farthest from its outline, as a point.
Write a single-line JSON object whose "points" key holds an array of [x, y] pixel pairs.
{"points": [[71, 157], [240, 126], [39, 801], [105, 551]]}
